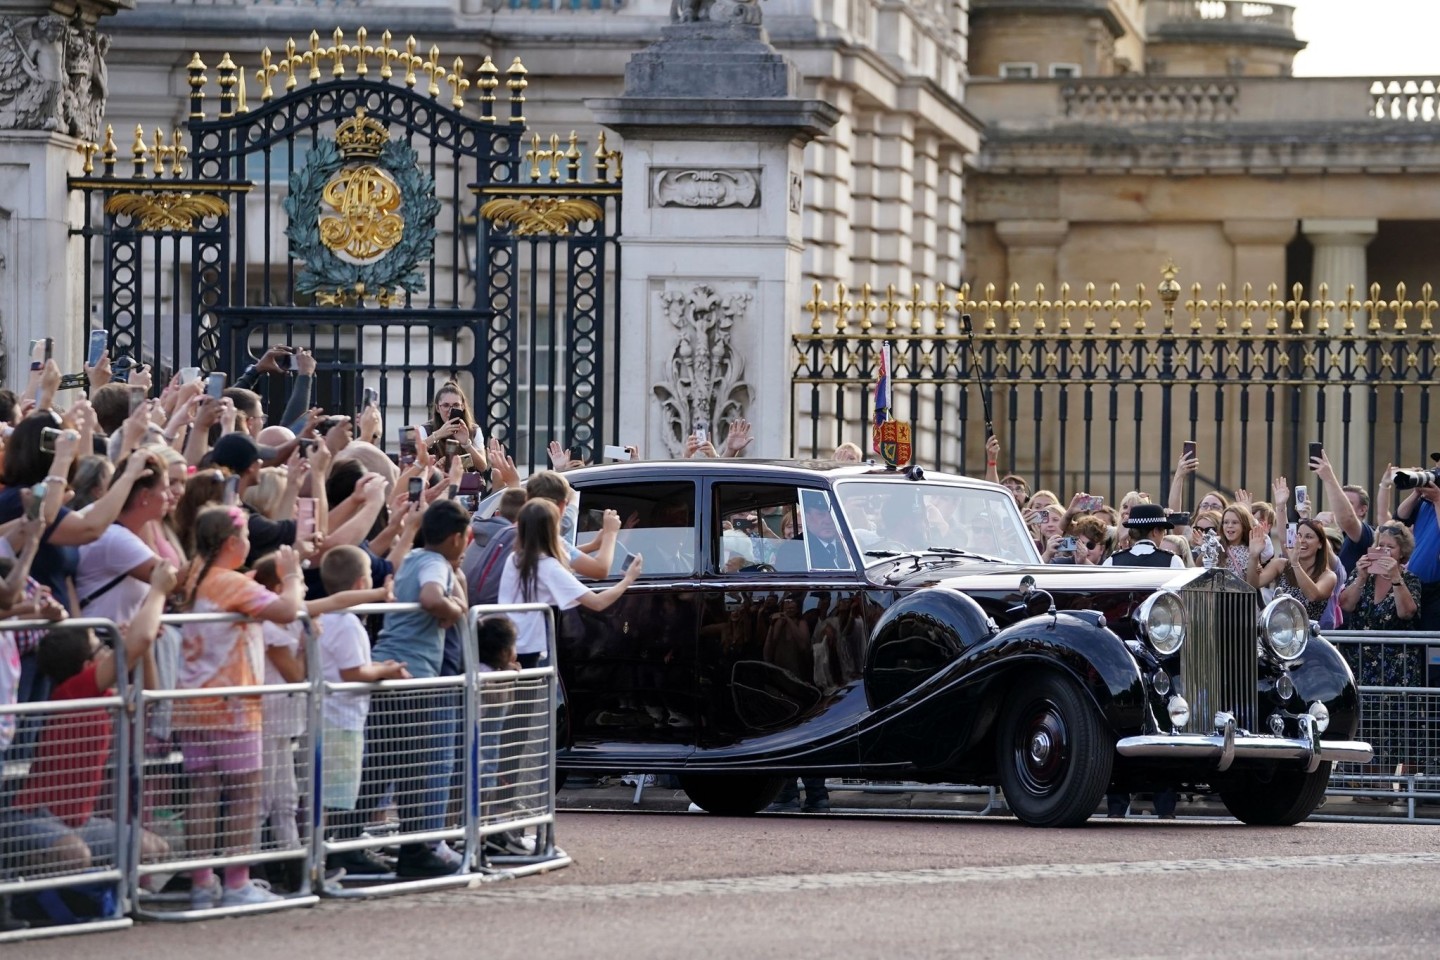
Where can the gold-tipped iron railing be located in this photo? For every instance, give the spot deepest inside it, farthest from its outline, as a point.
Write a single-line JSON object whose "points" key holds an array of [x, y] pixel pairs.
{"points": [[1078, 375]]}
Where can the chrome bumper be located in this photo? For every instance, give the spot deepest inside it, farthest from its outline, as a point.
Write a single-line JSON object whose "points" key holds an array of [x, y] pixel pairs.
{"points": [[1225, 746]]}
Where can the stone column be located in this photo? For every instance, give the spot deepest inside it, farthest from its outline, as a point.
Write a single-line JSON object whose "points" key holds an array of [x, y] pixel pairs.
{"points": [[1339, 262], [828, 200], [1258, 251], [53, 86], [1031, 252], [925, 229], [894, 209], [712, 231], [864, 205], [950, 219]]}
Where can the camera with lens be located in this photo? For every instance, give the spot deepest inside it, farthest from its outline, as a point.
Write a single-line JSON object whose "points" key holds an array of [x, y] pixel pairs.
{"points": [[1411, 479]]}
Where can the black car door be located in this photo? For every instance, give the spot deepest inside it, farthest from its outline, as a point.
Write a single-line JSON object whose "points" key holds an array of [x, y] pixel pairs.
{"points": [[780, 650], [629, 671]]}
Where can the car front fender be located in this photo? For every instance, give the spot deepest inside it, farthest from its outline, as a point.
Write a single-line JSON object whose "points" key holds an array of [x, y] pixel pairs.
{"points": [[1093, 655], [1322, 674]]}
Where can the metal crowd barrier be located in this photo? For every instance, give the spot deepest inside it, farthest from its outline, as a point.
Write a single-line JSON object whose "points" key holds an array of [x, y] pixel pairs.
{"points": [[62, 867], [515, 772], [201, 780], [462, 761], [1398, 673], [200, 771]]}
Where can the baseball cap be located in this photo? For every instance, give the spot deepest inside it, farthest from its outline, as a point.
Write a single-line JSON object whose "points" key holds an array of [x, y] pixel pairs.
{"points": [[236, 452]]}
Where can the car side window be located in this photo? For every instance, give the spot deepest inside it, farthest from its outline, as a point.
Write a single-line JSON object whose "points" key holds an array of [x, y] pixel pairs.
{"points": [[761, 528], [657, 522]]}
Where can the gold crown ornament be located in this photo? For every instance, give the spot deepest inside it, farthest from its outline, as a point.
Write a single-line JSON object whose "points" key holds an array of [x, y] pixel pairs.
{"points": [[361, 137]]}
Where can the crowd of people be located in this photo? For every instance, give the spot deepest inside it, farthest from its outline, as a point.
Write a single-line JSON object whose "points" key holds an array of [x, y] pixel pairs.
{"points": [[1361, 564], [134, 500]]}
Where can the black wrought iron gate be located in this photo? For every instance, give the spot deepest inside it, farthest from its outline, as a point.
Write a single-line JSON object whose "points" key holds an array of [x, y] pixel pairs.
{"points": [[387, 210]]}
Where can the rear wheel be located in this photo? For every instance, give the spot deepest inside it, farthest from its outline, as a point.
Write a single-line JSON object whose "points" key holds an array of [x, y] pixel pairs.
{"points": [[1280, 799], [1053, 752], [731, 795]]}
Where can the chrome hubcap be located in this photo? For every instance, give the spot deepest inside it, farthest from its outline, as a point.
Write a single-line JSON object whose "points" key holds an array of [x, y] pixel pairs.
{"points": [[1040, 747]]}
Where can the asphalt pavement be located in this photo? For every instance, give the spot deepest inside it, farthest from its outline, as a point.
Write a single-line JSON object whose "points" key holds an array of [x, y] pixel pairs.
{"points": [[669, 884]]}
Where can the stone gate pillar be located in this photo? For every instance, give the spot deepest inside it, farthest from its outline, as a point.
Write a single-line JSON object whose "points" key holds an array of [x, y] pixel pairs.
{"points": [[714, 137], [53, 88]]}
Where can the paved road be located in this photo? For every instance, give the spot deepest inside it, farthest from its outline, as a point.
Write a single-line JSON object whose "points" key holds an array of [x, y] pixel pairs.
{"points": [[675, 885]]}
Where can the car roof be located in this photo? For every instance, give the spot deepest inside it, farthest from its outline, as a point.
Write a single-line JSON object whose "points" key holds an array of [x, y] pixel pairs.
{"points": [[831, 470]]}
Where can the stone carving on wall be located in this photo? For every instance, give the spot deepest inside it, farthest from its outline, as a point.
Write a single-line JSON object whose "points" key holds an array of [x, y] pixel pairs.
{"points": [[704, 377], [713, 188], [52, 76], [720, 11]]}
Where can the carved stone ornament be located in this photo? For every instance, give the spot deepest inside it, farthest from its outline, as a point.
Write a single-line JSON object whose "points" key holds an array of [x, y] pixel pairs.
{"points": [[715, 188], [52, 76], [720, 11], [705, 377]]}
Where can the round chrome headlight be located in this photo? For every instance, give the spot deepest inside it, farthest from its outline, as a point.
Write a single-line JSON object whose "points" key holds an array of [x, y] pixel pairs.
{"points": [[1164, 621], [1179, 711], [1321, 715], [1285, 627]]}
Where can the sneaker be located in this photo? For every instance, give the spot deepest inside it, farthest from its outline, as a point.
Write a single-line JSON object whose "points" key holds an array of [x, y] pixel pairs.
{"points": [[425, 865], [207, 896], [442, 851], [359, 863], [818, 805], [330, 883], [501, 846], [251, 892], [518, 844]]}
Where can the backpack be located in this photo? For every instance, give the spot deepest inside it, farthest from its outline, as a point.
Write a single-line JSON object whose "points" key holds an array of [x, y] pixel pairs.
{"points": [[482, 579], [66, 905]]}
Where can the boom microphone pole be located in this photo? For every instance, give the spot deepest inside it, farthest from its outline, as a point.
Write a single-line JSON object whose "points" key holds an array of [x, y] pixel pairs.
{"points": [[979, 381]]}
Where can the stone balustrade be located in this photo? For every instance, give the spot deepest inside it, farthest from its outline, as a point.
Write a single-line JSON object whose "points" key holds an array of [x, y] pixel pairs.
{"points": [[1414, 100], [1156, 101], [1164, 15], [1038, 105]]}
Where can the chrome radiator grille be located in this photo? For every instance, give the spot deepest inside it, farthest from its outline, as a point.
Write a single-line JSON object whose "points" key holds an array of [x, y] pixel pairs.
{"points": [[1219, 665]]}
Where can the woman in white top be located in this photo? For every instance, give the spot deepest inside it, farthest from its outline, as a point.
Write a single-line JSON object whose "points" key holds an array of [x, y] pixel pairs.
{"points": [[538, 572]]}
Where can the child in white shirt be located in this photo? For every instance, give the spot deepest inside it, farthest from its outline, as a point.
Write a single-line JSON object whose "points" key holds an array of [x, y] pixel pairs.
{"points": [[345, 658]]}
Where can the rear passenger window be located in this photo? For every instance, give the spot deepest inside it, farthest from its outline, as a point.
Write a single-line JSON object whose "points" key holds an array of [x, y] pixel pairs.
{"points": [[657, 521]]}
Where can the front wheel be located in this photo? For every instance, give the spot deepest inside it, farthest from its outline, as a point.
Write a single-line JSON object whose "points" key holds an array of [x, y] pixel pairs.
{"points": [[731, 795], [1280, 799], [1053, 752]]}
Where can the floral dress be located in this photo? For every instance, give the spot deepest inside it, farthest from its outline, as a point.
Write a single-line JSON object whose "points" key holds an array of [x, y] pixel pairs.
{"points": [[1237, 559], [1285, 586], [1378, 663]]}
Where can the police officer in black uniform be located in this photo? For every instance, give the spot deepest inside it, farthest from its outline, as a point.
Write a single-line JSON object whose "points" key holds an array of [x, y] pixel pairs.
{"points": [[1148, 524]]}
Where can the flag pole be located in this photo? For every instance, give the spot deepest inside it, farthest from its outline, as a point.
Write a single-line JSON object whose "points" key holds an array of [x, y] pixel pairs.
{"points": [[979, 382]]}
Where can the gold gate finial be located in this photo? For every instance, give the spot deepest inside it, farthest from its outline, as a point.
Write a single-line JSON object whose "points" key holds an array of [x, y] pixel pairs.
{"points": [[517, 84], [489, 79], [196, 69], [1169, 291]]}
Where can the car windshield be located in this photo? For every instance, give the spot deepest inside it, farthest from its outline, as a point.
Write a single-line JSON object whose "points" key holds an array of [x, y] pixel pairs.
{"points": [[897, 517]]}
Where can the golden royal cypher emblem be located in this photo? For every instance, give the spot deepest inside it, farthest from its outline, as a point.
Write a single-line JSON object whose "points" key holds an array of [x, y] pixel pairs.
{"points": [[365, 199]]}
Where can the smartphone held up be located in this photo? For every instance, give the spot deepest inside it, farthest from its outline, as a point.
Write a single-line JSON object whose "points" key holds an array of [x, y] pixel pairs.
{"points": [[99, 343]]}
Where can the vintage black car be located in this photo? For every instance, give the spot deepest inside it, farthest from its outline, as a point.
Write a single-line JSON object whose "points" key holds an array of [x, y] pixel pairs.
{"points": [[816, 618]]}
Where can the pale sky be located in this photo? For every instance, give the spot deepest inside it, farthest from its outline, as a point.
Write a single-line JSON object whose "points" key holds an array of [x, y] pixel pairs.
{"points": [[1379, 38]]}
